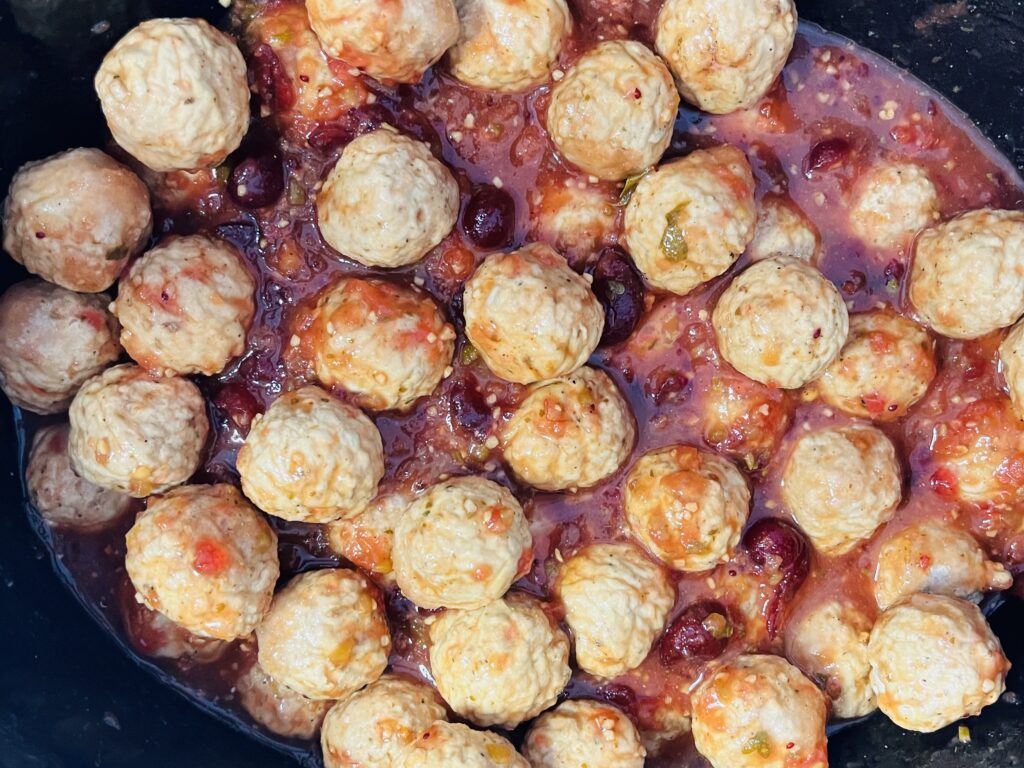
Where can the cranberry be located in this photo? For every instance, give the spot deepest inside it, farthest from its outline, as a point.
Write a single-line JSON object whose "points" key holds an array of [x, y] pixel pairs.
{"points": [[457, 309], [238, 405], [257, 181], [826, 155], [490, 217], [353, 123], [777, 546], [419, 127], [701, 633], [621, 292], [664, 384], [621, 696], [466, 406], [270, 80]]}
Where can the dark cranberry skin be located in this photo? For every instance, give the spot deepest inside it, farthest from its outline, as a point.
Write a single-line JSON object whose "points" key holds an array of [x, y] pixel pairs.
{"points": [[827, 155], [776, 546], [689, 637], [457, 309], [620, 696], [238, 406], [257, 181], [467, 409], [270, 79], [621, 292], [241, 234], [353, 123], [490, 218]]}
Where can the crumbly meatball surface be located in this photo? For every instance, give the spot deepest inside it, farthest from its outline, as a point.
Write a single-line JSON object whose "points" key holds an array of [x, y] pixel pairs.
{"points": [[686, 506], [530, 316], [616, 603], [782, 229], [1011, 358], [175, 94], [780, 322], [570, 432], [366, 539], [689, 219], [51, 342], [575, 219], [612, 114], [444, 745], [934, 660], [277, 707], [891, 203], [205, 558], [584, 733], [76, 218]]}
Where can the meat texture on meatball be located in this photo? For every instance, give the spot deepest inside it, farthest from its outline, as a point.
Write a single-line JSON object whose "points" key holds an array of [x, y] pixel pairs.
{"points": [[444, 745], [577, 219], [366, 539], [891, 203], [744, 419], [584, 733], [782, 229], [76, 218], [277, 707], [175, 94], [1011, 359]]}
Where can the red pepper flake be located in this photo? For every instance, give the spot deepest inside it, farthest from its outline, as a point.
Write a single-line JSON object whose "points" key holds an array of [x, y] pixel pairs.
{"points": [[40, 234], [874, 403], [211, 557], [304, 78], [943, 482], [817, 333], [790, 745], [636, 94]]}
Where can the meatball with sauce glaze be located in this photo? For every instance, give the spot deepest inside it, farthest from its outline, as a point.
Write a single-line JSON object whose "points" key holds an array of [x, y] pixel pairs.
{"points": [[891, 203], [782, 229], [584, 733], [153, 634], [366, 539], [445, 745], [277, 707], [76, 218], [1011, 359], [572, 219], [744, 419]]}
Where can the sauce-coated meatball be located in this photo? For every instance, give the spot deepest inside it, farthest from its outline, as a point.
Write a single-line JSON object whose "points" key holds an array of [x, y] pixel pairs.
{"points": [[137, 433], [500, 664], [781, 322], [686, 506], [934, 660], [366, 539], [968, 273], [76, 218], [616, 603], [690, 219], [311, 457], [840, 484], [175, 95], [325, 635], [530, 316], [387, 344], [205, 558], [153, 634], [461, 544], [1011, 358], [576, 219], [725, 54], [51, 342], [613, 112], [584, 733], [444, 745], [387, 201], [782, 229], [277, 707], [744, 419], [570, 432], [891, 203]]}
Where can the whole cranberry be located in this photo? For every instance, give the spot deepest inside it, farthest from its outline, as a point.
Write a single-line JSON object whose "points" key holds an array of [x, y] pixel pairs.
{"points": [[621, 292], [826, 155], [257, 181], [778, 547], [701, 633], [490, 217], [467, 409], [270, 80], [237, 405]]}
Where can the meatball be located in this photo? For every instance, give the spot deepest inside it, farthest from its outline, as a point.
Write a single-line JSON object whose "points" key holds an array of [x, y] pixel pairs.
{"points": [[51, 342], [616, 603], [780, 322], [203, 557], [840, 484], [935, 557], [744, 418], [686, 506], [325, 635], [76, 218], [277, 707], [570, 432], [375, 726], [576, 219], [366, 539], [612, 114], [388, 201], [885, 366], [500, 664], [508, 45], [584, 733], [934, 660], [153, 634], [759, 711], [725, 54], [461, 545], [830, 643], [891, 203], [530, 316], [690, 219], [444, 745], [185, 306], [967, 277], [175, 94], [395, 41], [136, 433], [1011, 358], [386, 344], [783, 230]]}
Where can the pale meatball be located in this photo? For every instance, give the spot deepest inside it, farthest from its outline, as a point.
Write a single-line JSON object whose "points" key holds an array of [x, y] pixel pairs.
{"points": [[759, 711], [616, 603], [461, 545], [780, 322], [1011, 358], [387, 201], [530, 316], [885, 366], [938, 558], [175, 94], [366, 539], [968, 273], [374, 727], [690, 219], [725, 54], [186, 306], [63, 498], [570, 432], [840, 484], [389, 41], [686, 506], [153, 634], [311, 458], [76, 218], [891, 203], [386, 344], [325, 635], [584, 733], [205, 558], [612, 114], [137, 433], [277, 707], [829, 642], [445, 745], [508, 45], [501, 664], [51, 342], [783, 230], [575, 220], [934, 660]]}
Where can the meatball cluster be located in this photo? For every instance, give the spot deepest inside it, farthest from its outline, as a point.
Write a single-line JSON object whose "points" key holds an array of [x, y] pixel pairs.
{"points": [[584, 733]]}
